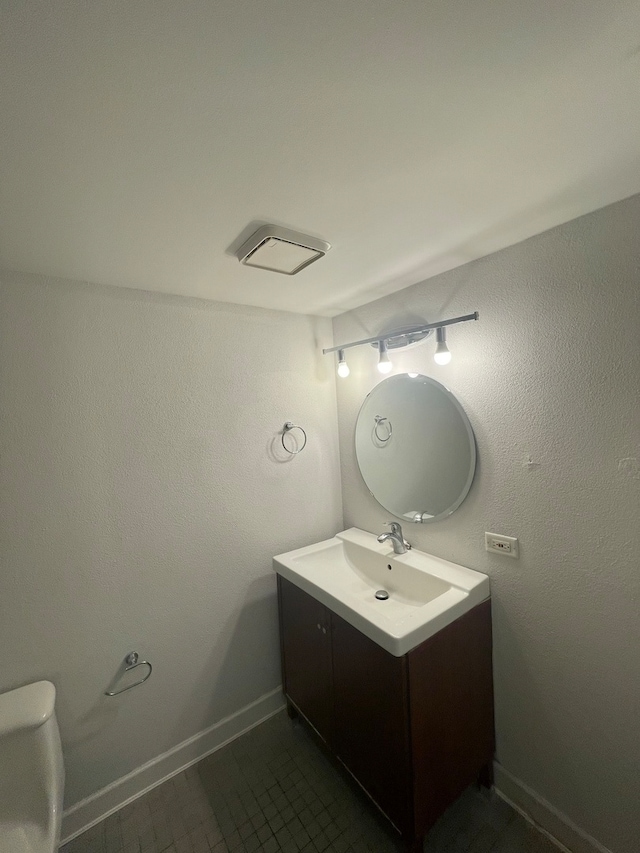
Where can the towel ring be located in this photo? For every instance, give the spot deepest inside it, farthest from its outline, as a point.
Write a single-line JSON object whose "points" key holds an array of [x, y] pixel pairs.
{"points": [[380, 420], [132, 662], [287, 428]]}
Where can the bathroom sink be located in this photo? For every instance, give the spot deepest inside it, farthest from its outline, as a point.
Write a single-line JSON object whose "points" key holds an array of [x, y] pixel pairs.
{"points": [[425, 593]]}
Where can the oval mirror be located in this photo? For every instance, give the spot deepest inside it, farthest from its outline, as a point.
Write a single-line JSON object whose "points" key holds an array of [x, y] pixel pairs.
{"points": [[415, 448]]}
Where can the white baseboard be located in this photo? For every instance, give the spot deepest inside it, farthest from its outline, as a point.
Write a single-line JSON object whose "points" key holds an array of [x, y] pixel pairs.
{"points": [[95, 808], [557, 826]]}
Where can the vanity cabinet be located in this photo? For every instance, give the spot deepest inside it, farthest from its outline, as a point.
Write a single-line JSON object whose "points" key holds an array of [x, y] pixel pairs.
{"points": [[415, 730]]}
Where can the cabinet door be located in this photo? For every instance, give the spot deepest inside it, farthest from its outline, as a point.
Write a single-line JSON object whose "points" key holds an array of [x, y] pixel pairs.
{"points": [[371, 724], [306, 655], [451, 691]]}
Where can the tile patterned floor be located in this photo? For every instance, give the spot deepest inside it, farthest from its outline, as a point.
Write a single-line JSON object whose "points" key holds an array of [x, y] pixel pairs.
{"points": [[275, 790]]}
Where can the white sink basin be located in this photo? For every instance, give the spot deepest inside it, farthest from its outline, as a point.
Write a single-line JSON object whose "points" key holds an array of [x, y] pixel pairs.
{"points": [[425, 593]]}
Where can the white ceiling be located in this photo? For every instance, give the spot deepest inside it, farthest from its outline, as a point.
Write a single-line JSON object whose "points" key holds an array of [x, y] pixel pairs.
{"points": [[141, 139]]}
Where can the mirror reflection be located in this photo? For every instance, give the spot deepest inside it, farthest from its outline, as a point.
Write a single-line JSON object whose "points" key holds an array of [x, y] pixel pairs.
{"points": [[415, 448]]}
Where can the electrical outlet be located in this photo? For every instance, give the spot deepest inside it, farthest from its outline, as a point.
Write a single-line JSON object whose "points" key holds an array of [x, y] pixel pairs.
{"points": [[507, 545]]}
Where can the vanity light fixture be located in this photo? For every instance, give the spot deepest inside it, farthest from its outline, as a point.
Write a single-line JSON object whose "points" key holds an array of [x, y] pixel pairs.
{"points": [[384, 365], [402, 338], [343, 367], [442, 354]]}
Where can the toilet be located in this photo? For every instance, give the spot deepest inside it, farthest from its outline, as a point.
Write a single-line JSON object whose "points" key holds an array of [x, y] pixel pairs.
{"points": [[31, 770]]}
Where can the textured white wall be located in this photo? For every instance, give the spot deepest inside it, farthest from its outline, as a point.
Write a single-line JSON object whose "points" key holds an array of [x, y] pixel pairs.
{"points": [[551, 371], [141, 502]]}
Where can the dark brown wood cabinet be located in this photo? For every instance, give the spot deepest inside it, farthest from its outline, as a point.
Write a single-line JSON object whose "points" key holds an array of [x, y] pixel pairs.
{"points": [[416, 730], [305, 634]]}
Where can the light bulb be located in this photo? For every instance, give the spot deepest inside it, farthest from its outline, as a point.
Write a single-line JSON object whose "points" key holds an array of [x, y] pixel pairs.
{"points": [[384, 365], [442, 354], [343, 367]]}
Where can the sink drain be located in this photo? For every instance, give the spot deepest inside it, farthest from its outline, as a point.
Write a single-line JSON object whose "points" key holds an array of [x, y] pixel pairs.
{"points": [[382, 595]]}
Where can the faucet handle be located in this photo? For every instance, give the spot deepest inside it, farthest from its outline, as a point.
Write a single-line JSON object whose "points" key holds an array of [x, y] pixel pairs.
{"points": [[396, 529]]}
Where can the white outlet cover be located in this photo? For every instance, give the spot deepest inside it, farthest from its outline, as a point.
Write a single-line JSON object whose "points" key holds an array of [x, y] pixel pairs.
{"points": [[506, 546]]}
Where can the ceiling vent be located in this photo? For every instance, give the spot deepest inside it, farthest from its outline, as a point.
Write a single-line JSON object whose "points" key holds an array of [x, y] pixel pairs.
{"points": [[281, 250]]}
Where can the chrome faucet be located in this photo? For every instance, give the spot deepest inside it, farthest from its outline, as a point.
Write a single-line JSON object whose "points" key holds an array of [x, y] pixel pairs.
{"points": [[400, 544]]}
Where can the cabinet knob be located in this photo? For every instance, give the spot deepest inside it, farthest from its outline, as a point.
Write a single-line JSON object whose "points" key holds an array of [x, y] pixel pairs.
{"points": [[319, 626], [324, 630]]}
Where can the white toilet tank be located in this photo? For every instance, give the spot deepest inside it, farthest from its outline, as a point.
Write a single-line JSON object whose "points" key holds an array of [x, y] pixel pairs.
{"points": [[31, 770]]}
